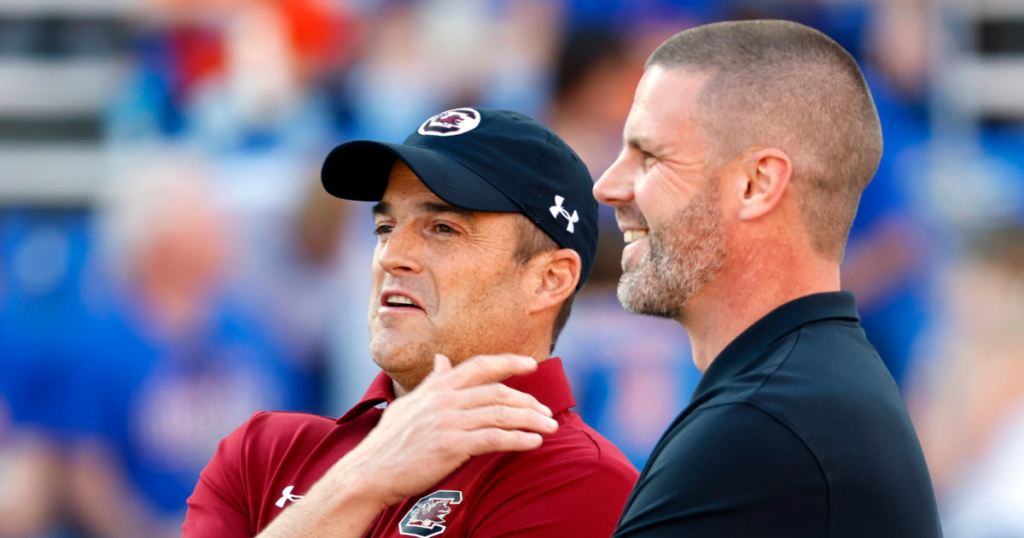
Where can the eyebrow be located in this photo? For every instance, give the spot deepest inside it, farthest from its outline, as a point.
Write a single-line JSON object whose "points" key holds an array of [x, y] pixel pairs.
{"points": [[385, 209], [435, 207], [641, 143], [381, 209]]}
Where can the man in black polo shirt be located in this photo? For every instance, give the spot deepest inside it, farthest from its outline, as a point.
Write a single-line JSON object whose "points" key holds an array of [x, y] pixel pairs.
{"points": [[746, 151]]}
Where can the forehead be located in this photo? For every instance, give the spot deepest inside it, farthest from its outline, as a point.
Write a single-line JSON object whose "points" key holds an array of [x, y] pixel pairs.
{"points": [[404, 185], [664, 107], [406, 193]]}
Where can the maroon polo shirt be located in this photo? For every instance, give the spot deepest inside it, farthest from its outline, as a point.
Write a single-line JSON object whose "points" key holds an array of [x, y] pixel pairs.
{"points": [[574, 484]]}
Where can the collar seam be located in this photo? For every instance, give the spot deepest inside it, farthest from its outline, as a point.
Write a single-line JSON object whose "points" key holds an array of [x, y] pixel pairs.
{"points": [[778, 366]]}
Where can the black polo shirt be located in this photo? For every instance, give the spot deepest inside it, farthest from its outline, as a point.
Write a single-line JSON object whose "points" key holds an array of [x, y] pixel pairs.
{"points": [[796, 430]]}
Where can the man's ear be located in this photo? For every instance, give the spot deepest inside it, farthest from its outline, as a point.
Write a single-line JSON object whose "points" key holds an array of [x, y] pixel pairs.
{"points": [[556, 274], [767, 173]]}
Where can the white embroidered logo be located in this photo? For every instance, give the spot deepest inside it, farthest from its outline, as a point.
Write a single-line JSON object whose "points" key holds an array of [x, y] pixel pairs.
{"points": [[286, 496], [451, 122], [557, 210]]}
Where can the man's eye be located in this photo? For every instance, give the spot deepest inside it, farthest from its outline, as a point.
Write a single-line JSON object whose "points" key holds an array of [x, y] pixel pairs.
{"points": [[648, 157], [382, 229], [444, 228]]}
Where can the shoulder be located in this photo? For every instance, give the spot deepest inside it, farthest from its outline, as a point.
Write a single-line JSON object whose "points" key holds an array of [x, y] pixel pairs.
{"points": [[732, 445], [575, 458], [260, 445], [829, 374], [576, 447], [273, 424], [271, 428], [742, 425], [725, 470], [574, 484], [268, 436]]}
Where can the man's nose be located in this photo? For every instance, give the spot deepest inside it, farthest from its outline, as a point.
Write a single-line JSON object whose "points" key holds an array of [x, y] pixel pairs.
{"points": [[402, 250], [615, 186]]}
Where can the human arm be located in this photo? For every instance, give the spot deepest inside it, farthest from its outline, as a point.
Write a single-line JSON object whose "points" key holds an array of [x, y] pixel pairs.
{"points": [[733, 470], [454, 414]]}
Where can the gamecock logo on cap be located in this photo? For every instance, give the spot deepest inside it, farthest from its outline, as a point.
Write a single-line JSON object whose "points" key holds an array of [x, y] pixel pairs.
{"points": [[427, 517], [451, 122]]}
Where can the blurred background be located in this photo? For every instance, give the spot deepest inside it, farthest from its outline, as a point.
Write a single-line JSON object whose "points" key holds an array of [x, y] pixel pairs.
{"points": [[169, 263]]}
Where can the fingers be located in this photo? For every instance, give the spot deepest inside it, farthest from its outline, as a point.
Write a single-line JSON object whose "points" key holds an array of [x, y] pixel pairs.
{"points": [[485, 441], [498, 394], [506, 418], [485, 369]]}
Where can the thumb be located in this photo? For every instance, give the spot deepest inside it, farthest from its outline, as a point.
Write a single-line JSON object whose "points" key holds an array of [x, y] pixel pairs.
{"points": [[441, 364]]}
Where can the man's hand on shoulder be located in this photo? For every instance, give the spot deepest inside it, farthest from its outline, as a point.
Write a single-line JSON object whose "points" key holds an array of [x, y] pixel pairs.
{"points": [[453, 415]]}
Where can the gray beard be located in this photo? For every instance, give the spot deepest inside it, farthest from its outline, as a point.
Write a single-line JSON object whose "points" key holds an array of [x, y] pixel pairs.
{"points": [[682, 257]]}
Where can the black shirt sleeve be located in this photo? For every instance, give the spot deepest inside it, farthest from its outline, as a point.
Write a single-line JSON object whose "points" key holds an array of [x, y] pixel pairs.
{"points": [[733, 470]]}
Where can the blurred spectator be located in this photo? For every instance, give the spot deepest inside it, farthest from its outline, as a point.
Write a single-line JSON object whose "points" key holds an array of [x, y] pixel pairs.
{"points": [[30, 472], [898, 44], [233, 75], [968, 402], [304, 267], [428, 56], [596, 74], [178, 364], [43, 326]]}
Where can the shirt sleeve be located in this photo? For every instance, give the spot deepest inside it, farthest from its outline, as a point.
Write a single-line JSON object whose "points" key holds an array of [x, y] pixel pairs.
{"points": [[218, 507], [554, 499], [732, 470]]}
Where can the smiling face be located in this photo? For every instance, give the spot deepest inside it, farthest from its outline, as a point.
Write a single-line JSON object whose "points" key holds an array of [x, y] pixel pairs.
{"points": [[666, 196], [444, 281]]}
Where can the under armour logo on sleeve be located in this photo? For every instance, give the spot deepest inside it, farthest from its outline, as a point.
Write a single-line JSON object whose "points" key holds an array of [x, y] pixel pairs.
{"points": [[286, 496]]}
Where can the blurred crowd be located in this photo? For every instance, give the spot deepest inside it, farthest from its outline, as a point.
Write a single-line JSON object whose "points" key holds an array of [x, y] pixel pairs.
{"points": [[212, 277]]}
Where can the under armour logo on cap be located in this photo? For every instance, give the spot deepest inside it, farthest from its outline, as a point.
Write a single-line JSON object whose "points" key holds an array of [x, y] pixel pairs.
{"points": [[451, 122], [557, 210]]}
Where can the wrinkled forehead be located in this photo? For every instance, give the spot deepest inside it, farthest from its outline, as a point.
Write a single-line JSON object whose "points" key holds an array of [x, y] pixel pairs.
{"points": [[665, 111]]}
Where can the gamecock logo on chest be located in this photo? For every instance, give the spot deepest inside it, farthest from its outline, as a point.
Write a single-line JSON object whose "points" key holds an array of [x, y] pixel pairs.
{"points": [[427, 517]]}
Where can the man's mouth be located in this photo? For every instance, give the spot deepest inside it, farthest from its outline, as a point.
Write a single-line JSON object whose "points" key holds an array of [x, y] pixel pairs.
{"points": [[630, 236], [398, 300], [631, 222]]}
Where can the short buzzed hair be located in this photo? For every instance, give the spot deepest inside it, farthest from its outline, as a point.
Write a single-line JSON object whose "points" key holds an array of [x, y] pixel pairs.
{"points": [[781, 84]]}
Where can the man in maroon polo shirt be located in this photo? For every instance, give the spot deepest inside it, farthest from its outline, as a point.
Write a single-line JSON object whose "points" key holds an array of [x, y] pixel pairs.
{"points": [[487, 228]]}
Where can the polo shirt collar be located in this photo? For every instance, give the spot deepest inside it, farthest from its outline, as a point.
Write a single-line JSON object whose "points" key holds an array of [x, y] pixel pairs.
{"points": [[548, 385], [751, 343]]}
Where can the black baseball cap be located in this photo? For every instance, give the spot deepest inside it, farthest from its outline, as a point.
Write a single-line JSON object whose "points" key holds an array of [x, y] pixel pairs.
{"points": [[482, 160]]}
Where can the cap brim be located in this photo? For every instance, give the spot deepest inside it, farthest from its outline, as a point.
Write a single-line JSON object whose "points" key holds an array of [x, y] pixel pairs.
{"points": [[360, 170]]}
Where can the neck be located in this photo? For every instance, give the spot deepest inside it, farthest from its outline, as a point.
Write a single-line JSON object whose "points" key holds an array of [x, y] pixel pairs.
{"points": [[538, 348], [743, 293]]}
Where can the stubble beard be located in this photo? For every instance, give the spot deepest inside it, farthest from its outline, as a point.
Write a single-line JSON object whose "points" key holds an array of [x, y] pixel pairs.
{"points": [[681, 258]]}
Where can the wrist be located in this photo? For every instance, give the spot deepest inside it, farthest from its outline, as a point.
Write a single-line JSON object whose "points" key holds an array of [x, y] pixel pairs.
{"points": [[352, 486]]}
